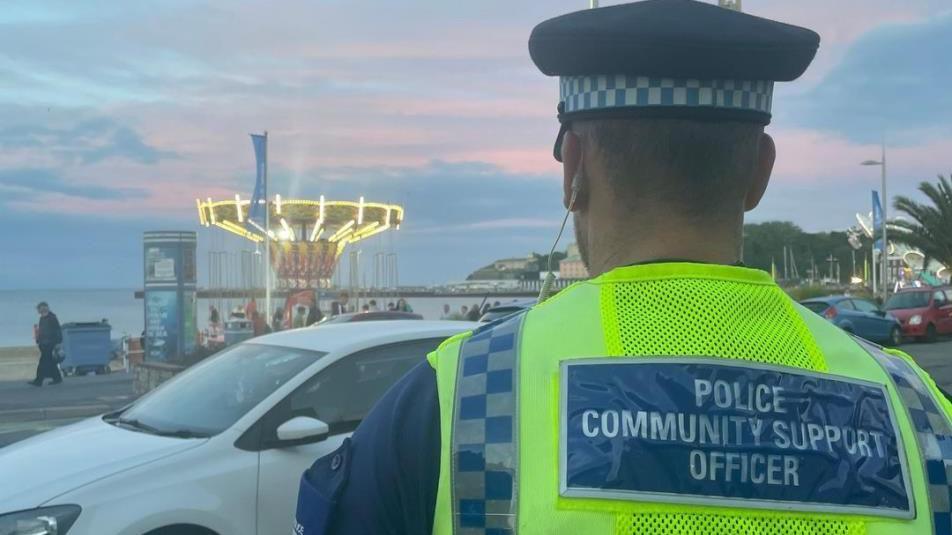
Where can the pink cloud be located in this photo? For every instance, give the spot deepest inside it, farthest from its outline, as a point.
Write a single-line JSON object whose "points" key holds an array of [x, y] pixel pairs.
{"points": [[810, 157]]}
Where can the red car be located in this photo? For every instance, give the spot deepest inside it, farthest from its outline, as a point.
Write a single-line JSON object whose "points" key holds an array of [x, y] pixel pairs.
{"points": [[924, 313]]}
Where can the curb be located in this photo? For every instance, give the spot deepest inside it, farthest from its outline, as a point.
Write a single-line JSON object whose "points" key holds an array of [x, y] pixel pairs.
{"points": [[52, 413]]}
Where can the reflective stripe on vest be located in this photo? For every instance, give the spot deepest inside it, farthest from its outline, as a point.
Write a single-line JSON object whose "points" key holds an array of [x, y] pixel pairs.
{"points": [[485, 452], [933, 434]]}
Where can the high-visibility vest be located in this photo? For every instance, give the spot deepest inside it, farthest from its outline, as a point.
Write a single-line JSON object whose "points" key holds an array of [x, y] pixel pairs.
{"points": [[677, 398]]}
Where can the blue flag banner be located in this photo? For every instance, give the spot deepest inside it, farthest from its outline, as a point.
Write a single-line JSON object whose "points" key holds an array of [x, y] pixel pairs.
{"points": [[877, 220], [877, 212], [699, 431], [256, 210]]}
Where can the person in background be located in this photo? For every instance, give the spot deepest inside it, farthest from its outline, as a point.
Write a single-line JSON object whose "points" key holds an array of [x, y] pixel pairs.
{"points": [[300, 319], [48, 336], [496, 304], [373, 306], [473, 313], [251, 308], [365, 308], [314, 315], [258, 323], [486, 308], [391, 307], [342, 305], [277, 320], [403, 306], [463, 312], [446, 315]]}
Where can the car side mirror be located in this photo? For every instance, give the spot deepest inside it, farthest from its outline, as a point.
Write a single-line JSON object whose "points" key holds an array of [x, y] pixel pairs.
{"points": [[302, 430]]}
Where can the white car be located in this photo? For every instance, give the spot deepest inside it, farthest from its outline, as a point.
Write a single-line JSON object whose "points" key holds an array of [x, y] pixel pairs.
{"points": [[220, 448]]}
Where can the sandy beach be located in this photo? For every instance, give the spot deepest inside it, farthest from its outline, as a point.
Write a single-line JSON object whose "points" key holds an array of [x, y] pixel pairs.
{"points": [[18, 363]]}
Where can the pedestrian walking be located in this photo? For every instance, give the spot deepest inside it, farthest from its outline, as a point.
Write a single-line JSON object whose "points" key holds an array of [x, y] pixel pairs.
{"points": [[300, 318], [314, 315], [258, 324], [277, 320], [447, 314], [473, 314], [48, 336], [403, 306]]}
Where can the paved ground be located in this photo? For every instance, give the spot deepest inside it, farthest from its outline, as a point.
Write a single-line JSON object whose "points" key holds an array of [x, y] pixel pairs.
{"points": [[26, 410], [936, 359]]}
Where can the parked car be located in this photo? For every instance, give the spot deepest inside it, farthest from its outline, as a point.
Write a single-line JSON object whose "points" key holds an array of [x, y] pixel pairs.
{"points": [[218, 449], [386, 315], [924, 313], [507, 309], [858, 316]]}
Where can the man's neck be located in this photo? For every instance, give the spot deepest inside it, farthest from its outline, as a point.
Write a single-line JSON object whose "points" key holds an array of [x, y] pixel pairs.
{"points": [[618, 246]]}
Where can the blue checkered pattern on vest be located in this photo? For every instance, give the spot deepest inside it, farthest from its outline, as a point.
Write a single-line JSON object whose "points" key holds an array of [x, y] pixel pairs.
{"points": [[933, 433], [485, 431], [584, 93]]}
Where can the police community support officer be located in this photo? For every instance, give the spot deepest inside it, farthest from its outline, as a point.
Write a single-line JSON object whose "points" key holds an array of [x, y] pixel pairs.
{"points": [[676, 392]]}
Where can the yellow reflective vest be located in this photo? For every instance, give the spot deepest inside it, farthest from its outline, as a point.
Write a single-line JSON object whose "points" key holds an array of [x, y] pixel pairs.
{"points": [[679, 398]]}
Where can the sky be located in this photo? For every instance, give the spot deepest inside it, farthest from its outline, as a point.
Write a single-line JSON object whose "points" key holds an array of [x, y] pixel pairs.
{"points": [[116, 116]]}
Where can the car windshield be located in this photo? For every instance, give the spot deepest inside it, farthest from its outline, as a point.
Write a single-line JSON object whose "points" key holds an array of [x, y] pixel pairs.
{"points": [[903, 300], [210, 397], [817, 306]]}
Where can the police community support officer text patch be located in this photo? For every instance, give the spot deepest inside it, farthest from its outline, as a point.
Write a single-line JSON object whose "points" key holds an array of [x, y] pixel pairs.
{"points": [[714, 432]]}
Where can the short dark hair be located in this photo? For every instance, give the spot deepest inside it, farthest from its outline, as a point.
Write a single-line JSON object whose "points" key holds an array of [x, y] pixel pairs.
{"points": [[42, 304], [692, 165]]}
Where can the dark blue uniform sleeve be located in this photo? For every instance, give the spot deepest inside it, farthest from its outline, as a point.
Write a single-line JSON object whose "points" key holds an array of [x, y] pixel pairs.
{"points": [[384, 479]]}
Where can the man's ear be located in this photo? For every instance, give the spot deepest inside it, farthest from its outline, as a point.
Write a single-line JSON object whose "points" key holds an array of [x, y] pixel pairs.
{"points": [[571, 163], [765, 162]]}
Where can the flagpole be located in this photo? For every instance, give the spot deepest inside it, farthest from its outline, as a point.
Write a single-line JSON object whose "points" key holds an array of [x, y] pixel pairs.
{"points": [[267, 233]]}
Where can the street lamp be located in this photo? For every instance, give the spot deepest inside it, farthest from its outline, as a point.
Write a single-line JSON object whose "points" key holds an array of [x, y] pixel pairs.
{"points": [[884, 270]]}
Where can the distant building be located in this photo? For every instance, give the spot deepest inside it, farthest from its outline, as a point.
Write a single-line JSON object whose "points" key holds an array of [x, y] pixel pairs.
{"points": [[529, 263], [572, 268], [508, 269]]}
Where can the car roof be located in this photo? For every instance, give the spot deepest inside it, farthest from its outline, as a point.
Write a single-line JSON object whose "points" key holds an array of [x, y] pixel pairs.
{"points": [[514, 305], [379, 314], [353, 336], [827, 299]]}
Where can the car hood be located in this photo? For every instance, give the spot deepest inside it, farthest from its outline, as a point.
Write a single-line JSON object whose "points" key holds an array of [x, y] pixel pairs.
{"points": [[903, 314], [47, 465]]}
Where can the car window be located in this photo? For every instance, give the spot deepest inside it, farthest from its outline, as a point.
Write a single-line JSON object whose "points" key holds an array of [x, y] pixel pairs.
{"points": [[343, 393], [938, 297], [904, 300], [845, 304], [817, 306], [865, 306], [213, 395], [948, 295]]}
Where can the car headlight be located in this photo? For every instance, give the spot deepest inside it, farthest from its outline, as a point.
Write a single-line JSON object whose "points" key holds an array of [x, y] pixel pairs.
{"points": [[54, 520], [915, 320]]}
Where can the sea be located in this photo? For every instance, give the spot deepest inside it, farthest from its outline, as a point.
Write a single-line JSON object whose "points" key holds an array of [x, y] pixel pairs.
{"points": [[126, 314]]}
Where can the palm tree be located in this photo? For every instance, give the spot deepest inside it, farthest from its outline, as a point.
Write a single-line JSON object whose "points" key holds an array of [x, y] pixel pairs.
{"points": [[930, 230]]}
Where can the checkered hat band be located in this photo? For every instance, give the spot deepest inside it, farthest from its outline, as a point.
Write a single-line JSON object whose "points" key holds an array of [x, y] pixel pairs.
{"points": [[933, 434], [485, 432], [602, 92]]}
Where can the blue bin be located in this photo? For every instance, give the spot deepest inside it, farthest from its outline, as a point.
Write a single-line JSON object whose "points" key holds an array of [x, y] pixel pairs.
{"points": [[87, 347], [238, 330]]}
